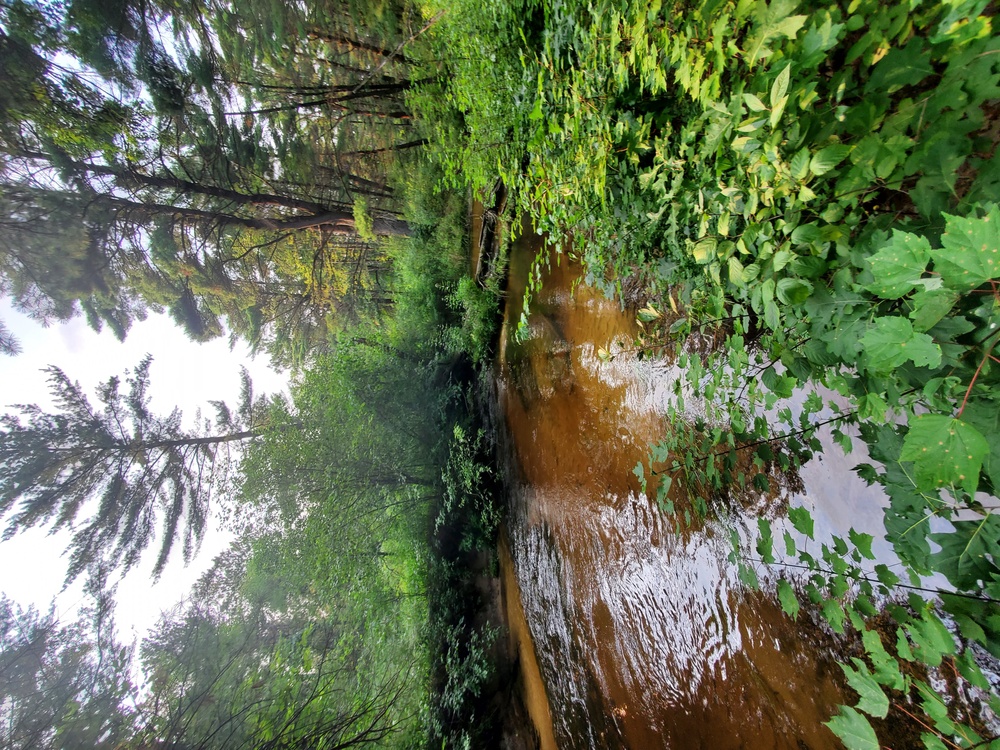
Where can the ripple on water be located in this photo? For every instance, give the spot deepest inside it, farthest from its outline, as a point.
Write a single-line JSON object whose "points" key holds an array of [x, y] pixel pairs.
{"points": [[643, 636]]}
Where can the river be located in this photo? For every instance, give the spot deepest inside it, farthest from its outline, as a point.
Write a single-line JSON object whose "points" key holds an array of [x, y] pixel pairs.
{"points": [[633, 629]]}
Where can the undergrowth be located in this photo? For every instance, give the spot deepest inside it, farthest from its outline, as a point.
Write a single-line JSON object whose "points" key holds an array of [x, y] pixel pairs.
{"points": [[823, 177]]}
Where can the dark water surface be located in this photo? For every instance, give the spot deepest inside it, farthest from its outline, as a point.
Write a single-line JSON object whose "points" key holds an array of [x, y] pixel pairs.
{"points": [[638, 631]]}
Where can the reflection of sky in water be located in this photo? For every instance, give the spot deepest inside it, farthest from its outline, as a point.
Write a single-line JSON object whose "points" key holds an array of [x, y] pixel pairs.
{"points": [[640, 630]]}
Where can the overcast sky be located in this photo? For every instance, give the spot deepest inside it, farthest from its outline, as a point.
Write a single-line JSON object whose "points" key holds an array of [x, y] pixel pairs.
{"points": [[184, 374]]}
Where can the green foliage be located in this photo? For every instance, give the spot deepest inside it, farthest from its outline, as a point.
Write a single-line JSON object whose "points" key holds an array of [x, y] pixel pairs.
{"points": [[363, 223], [853, 729], [815, 185], [945, 451], [900, 642], [201, 169], [470, 501], [113, 475], [65, 684], [480, 311]]}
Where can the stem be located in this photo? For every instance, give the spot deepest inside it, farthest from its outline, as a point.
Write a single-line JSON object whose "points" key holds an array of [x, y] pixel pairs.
{"points": [[925, 726], [763, 441], [859, 577], [976, 375]]}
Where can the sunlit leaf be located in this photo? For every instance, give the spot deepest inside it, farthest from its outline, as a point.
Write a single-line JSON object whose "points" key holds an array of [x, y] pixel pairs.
{"points": [[648, 314], [873, 700], [703, 251], [799, 165], [780, 86], [789, 601], [970, 251], [771, 23], [945, 451], [828, 158], [853, 730]]}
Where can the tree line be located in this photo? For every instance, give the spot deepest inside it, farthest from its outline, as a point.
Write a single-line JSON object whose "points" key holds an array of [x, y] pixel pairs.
{"points": [[305, 632], [158, 156], [233, 165]]}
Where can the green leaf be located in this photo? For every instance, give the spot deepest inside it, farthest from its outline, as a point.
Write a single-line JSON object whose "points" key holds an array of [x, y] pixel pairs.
{"points": [[776, 113], [885, 576], [808, 266], [765, 542], [970, 251], [898, 266], [873, 700], [807, 234], [853, 730], [965, 556], [793, 291], [945, 451], [827, 158], [703, 251], [771, 23], [863, 543], [761, 483], [802, 520], [969, 669], [737, 274], [886, 667], [789, 601], [903, 66], [931, 639], [771, 315], [929, 306], [648, 314], [891, 341], [780, 86], [781, 385], [755, 104], [872, 406], [799, 165], [748, 576], [903, 646], [987, 421], [789, 544], [833, 613]]}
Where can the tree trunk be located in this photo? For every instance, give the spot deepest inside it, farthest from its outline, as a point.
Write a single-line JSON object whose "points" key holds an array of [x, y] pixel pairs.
{"points": [[387, 149], [336, 222], [385, 227], [352, 44]]}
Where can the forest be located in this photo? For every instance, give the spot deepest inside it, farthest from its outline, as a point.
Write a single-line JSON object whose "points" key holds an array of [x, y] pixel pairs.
{"points": [[799, 200]]}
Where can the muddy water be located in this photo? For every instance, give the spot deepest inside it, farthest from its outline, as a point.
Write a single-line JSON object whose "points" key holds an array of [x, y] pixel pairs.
{"points": [[633, 632]]}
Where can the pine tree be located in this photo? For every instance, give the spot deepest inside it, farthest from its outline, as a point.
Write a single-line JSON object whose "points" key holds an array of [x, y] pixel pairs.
{"points": [[138, 178], [64, 685], [117, 475]]}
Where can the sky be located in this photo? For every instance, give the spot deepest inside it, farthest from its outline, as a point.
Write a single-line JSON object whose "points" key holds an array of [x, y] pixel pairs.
{"points": [[184, 374]]}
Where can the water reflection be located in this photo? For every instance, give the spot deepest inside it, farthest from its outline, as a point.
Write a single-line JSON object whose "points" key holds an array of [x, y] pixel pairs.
{"points": [[643, 635]]}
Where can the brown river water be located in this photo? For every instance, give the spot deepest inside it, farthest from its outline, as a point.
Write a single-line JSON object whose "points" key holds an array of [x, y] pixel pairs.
{"points": [[633, 630]]}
